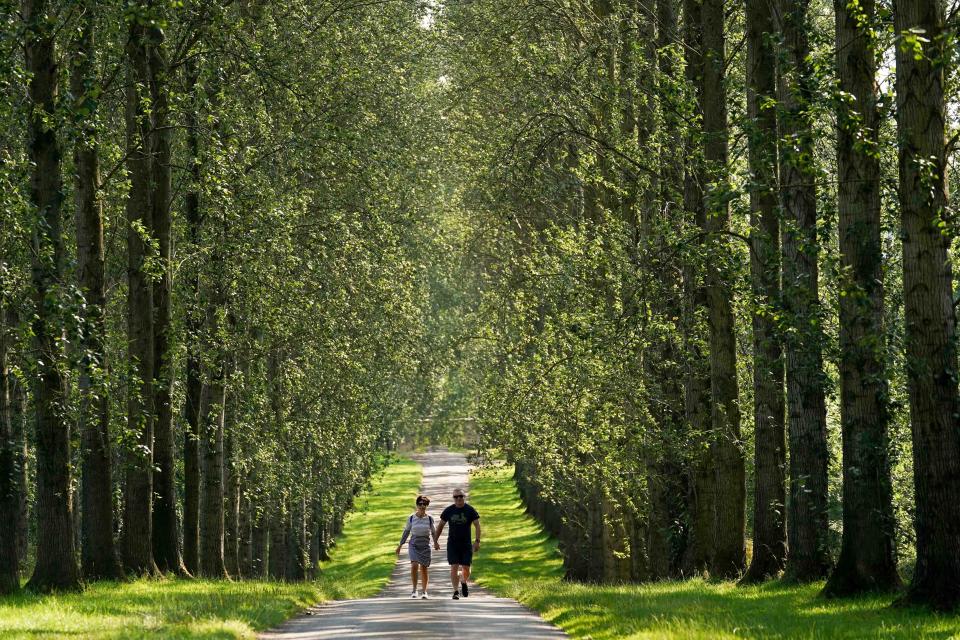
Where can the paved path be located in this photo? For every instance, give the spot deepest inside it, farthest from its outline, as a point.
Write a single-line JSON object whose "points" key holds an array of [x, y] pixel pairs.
{"points": [[393, 614]]}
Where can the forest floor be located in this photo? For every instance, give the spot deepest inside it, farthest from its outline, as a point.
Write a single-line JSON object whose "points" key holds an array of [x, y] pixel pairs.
{"points": [[520, 561], [360, 566]]}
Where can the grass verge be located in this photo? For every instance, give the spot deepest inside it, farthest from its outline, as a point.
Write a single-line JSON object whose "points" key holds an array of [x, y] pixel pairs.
{"points": [[520, 561], [169, 608]]}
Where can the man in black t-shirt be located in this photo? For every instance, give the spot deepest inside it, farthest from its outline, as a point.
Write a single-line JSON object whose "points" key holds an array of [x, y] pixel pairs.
{"points": [[460, 552]]}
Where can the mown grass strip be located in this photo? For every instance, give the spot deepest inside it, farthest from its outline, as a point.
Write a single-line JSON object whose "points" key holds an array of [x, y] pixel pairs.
{"points": [[520, 561], [170, 608]]}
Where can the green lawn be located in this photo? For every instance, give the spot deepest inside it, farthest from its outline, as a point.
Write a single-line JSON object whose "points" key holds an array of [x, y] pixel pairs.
{"points": [[168, 608], [518, 560]]}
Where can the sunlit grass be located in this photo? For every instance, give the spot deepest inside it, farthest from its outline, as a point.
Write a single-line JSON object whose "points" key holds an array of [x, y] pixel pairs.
{"points": [[519, 561], [169, 608]]}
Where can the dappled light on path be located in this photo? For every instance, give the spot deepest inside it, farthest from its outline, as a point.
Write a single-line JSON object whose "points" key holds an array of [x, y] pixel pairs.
{"points": [[397, 617]]}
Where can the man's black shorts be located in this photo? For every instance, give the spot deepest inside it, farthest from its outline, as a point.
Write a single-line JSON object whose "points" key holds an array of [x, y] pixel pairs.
{"points": [[460, 554]]}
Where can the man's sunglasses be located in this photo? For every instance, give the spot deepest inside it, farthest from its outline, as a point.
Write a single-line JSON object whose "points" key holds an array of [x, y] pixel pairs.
{"points": [[457, 497]]}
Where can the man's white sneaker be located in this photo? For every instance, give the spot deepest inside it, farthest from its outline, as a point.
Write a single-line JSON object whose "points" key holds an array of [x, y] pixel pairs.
{"points": [[424, 596], [414, 595]]}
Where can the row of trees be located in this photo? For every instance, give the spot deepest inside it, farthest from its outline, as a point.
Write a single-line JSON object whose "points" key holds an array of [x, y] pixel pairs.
{"points": [[211, 296], [712, 276]]}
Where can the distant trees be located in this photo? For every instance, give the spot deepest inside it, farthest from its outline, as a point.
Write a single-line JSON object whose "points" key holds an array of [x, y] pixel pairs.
{"points": [[231, 192], [807, 339]]}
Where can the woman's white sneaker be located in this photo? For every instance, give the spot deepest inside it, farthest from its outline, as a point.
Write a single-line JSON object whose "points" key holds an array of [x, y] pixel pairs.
{"points": [[414, 595], [424, 596]]}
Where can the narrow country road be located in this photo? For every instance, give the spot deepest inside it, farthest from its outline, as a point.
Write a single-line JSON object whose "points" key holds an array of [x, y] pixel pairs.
{"points": [[392, 614]]}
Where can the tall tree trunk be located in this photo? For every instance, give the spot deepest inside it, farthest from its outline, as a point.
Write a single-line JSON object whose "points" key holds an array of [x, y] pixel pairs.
{"points": [[211, 489], [277, 561], [232, 497], [20, 425], [807, 526], [928, 301], [56, 565], [166, 534], [648, 538], [245, 560], [729, 528], [97, 552], [769, 517], [697, 380], [194, 322], [867, 556], [296, 536], [313, 568], [191, 461], [137, 535], [259, 536], [9, 489], [670, 486]]}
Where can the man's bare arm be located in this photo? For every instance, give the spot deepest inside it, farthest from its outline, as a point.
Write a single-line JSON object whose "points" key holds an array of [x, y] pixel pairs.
{"points": [[476, 542], [439, 531]]}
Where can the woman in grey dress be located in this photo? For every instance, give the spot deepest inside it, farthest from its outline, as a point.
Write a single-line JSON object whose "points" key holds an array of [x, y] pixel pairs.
{"points": [[420, 530]]}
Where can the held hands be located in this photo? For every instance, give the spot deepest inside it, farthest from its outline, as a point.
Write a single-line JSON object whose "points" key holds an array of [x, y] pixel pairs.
{"points": [[436, 545]]}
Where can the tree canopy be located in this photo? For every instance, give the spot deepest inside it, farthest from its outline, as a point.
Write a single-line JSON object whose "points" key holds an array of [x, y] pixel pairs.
{"points": [[686, 264]]}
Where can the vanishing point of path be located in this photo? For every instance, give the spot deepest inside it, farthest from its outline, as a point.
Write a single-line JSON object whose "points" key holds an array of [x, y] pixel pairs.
{"points": [[393, 614]]}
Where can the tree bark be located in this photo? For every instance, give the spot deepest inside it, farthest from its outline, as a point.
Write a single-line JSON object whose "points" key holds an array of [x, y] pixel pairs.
{"points": [[769, 517], [194, 323], [166, 534], [807, 527], [729, 527], [245, 560], [296, 537], [97, 552], [191, 462], [313, 569], [697, 379], [56, 563], [656, 535], [277, 560], [9, 487], [232, 499], [137, 535], [867, 556], [20, 425], [259, 535], [930, 315], [212, 562]]}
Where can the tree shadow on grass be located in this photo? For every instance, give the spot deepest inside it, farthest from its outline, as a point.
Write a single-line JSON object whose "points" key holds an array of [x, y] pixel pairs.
{"points": [[522, 561], [697, 609]]}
